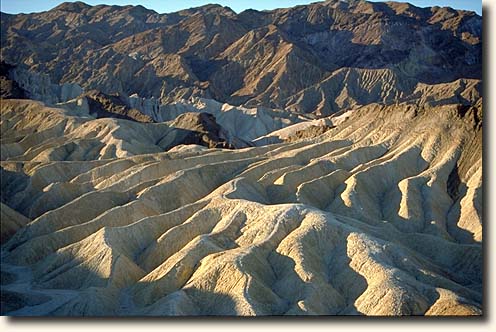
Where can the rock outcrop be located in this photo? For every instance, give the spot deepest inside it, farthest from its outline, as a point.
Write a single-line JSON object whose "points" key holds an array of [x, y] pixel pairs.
{"points": [[9, 88], [108, 106], [202, 129]]}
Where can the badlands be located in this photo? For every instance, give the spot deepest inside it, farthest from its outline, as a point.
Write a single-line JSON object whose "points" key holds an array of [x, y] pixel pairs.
{"points": [[355, 190]]}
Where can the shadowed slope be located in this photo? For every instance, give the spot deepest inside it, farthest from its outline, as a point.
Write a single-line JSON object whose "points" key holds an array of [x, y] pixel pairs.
{"points": [[379, 215]]}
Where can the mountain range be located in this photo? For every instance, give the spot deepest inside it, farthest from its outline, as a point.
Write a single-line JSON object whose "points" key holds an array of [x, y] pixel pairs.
{"points": [[317, 58]]}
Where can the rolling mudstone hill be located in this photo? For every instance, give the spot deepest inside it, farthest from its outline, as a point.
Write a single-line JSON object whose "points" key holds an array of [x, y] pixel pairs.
{"points": [[318, 160]]}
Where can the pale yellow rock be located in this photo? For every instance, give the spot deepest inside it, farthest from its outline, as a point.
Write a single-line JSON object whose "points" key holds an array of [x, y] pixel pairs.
{"points": [[380, 215]]}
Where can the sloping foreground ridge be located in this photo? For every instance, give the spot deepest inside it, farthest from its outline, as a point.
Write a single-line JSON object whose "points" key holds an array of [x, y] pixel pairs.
{"points": [[380, 215]]}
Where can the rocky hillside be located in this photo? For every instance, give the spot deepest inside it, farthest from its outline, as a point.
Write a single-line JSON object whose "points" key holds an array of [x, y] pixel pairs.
{"points": [[9, 88], [317, 58]]}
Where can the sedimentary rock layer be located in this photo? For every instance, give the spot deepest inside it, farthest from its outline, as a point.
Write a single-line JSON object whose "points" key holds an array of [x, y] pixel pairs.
{"points": [[378, 215]]}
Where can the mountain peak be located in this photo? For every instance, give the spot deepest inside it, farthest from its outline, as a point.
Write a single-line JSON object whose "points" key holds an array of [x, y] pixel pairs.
{"points": [[76, 6], [214, 8]]}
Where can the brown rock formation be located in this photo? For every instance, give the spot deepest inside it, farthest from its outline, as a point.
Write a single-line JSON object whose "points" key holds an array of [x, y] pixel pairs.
{"points": [[315, 58]]}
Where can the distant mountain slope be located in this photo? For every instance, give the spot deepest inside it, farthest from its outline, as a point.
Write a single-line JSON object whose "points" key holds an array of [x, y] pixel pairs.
{"points": [[313, 58]]}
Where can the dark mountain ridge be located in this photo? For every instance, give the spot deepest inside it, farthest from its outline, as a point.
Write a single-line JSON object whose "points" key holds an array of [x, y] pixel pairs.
{"points": [[311, 58]]}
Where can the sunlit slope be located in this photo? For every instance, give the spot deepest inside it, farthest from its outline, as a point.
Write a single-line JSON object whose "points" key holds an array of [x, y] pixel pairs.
{"points": [[380, 215]]}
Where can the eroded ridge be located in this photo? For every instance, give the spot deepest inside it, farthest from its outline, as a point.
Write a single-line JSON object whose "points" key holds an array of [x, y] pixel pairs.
{"points": [[379, 215]]}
